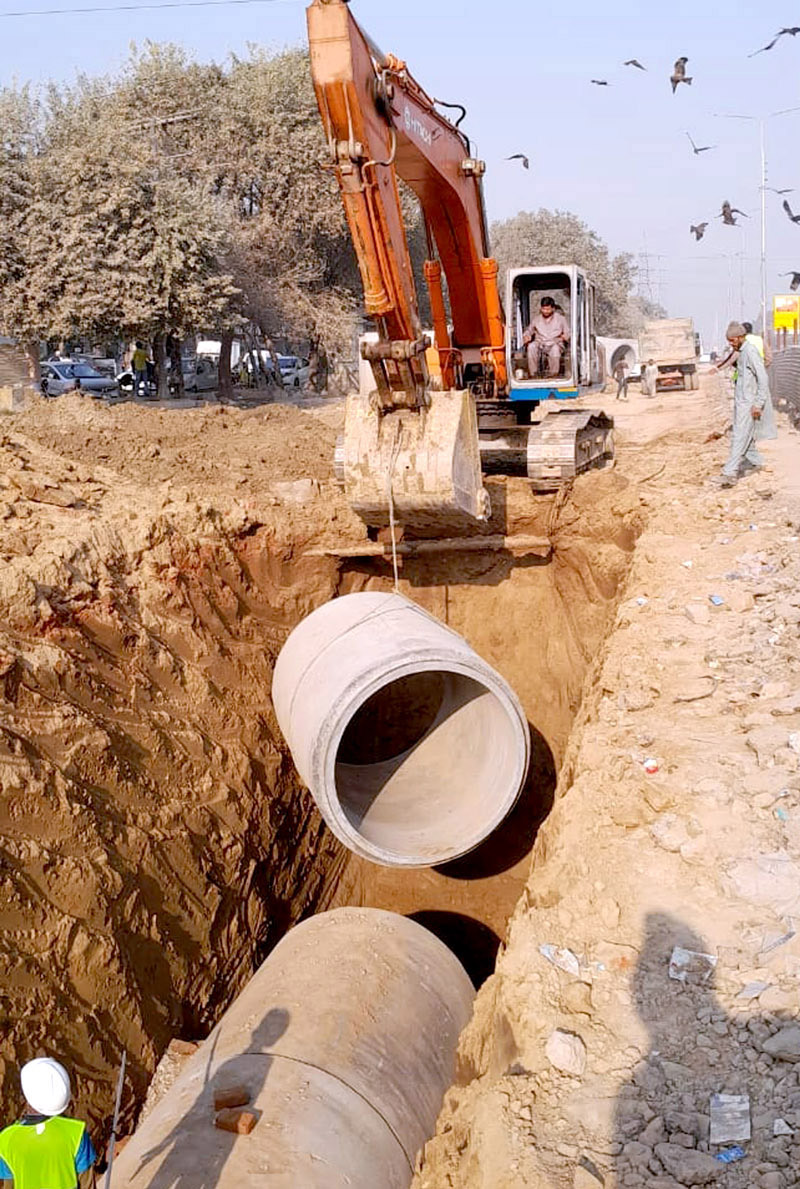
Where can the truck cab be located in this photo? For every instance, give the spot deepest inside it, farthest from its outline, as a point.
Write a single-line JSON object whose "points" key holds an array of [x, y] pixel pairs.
{"points": [[574, 295]]}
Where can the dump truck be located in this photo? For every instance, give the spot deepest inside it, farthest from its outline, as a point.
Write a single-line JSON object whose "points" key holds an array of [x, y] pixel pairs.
{"points": [[470, 398], [672, 345]]}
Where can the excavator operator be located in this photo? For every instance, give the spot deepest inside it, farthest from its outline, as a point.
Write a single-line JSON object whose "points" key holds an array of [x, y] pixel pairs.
{"points": [[544, 338]]}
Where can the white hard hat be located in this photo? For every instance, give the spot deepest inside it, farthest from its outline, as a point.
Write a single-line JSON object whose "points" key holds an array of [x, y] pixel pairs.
{"points": [[45, 1084]]}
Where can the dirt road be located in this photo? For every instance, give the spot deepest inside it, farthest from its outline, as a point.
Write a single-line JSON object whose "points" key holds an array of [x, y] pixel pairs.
{"points": [[676, 824]]}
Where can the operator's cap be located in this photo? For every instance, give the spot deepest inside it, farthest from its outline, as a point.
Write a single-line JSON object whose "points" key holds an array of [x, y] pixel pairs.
{"points": [[45, 1084], [547, 301]]}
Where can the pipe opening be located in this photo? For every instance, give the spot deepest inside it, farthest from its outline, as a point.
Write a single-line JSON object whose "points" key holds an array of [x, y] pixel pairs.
{"points": [[460, 754]]}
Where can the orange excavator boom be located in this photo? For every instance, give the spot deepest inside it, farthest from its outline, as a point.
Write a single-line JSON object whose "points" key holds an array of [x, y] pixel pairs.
{"points": [[381, 125]]}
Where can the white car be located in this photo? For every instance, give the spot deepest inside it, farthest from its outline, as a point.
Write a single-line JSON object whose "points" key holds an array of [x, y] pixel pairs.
{"points": [[295, 371], [199, 375], [64, 375]]}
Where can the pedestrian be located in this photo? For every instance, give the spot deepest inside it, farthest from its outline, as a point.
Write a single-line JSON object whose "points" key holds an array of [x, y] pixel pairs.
{"points": [[650, 378], [758, 342], [753, 415], [139, 365], [621, 372], [45, 1149]]}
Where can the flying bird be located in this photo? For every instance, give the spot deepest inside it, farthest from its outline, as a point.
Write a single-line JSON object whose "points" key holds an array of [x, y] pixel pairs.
{"points": [[704, 149], [599, 82], [728, 212], [789, 32], [698, 231], [787, 191], [634, 62], [679, 74], [788, 209], [795, 279], [526, 164]]}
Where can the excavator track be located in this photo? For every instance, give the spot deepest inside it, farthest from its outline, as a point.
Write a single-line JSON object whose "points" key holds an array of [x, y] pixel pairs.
{"points": [[563, 445]]}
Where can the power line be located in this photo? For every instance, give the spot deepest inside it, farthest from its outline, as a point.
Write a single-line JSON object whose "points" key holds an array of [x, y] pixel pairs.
{"points": [[51, 12]]}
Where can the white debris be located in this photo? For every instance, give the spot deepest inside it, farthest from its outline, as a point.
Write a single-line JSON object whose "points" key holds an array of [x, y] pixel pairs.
{"points": [[730, 1118], [563, 958], [689, 966]]}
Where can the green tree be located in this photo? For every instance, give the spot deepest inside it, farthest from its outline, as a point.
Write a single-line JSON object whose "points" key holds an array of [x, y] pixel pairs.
{"points": [[558, 237]]}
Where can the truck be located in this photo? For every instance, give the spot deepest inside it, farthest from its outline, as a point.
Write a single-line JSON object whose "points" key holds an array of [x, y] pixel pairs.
{"points": [[672, 345], [442, 409]]}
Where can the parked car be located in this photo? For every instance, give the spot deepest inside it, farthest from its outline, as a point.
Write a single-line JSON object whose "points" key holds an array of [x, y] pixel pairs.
{"points": [[295, 371], [199, 375], [63, 375]]}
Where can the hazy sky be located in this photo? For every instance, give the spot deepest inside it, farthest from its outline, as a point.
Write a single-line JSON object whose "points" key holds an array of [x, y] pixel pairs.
{"points": [[616, 156]]}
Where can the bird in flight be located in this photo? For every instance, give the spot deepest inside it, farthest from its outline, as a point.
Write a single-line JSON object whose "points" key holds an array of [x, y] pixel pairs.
{"points": [[728, 212], [703, 149], [698, 231], [679, 74], [788, 209], [795, 285], [790, 190], [599, 82], [788, 32], [520, 157], [634, 62]]}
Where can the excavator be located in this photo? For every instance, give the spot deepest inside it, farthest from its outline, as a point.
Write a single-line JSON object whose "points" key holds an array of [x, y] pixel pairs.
{"points": [[439, 415]]}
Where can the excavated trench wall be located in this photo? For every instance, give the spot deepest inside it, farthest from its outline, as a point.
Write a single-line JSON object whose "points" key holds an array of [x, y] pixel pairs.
{"points": [[155, 840]]}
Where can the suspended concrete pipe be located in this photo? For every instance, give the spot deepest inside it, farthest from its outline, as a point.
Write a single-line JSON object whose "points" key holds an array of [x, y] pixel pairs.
{"points": [[344, 1042], [412, 746]]}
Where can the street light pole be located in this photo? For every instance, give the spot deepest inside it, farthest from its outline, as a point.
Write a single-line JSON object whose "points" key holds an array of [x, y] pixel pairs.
{"points": [[761, 125]]}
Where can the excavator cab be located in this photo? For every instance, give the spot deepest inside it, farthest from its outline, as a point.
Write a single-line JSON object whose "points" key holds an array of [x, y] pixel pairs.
{"points": [[539, 369]]}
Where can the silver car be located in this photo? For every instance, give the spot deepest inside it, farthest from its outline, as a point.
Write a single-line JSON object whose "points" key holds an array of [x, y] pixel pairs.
{"points": [[63, 375], [199, 375]]}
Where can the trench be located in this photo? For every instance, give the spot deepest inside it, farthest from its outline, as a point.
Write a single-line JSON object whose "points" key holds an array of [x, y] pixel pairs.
{"points": [[155, 831]]}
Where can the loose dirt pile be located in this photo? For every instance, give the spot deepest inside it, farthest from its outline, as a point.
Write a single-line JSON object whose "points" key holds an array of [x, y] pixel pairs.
{"points": [[588, 1062], [156, 842]]}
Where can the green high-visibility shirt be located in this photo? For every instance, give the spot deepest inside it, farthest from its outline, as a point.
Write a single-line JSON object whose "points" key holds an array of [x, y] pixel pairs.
{"points": [[44, 1154]]}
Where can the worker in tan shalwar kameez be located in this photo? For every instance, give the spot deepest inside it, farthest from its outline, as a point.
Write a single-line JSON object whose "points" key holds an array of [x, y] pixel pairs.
{"points": [[544, 338]]}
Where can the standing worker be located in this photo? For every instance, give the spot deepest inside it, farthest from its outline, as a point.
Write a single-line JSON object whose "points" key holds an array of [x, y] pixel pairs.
{"points": [[45, 1150], [753, 415], [621, 376], [650, 378], [139, 365]]}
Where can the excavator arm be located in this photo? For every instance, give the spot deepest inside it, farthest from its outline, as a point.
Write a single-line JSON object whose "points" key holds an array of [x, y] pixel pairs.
{"points": [[381, 126]]}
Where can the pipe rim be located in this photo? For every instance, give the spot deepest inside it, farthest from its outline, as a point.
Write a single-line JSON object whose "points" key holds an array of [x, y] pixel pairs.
{"points": [[324, 754]]}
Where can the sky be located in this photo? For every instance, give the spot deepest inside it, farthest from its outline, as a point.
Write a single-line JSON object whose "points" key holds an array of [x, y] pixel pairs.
{"points": [[616, 156]]}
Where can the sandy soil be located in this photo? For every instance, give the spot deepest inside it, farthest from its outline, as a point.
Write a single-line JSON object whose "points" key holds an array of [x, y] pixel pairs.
{"points": [[600, 1071], [156, 842]]}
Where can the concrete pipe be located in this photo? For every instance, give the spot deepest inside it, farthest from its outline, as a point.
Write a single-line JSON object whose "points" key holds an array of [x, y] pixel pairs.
{"points": [[412, 746], [344, 1041]]}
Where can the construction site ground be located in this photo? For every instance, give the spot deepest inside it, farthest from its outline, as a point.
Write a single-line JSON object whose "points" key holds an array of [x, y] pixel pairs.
{"points": [[157, 842]]}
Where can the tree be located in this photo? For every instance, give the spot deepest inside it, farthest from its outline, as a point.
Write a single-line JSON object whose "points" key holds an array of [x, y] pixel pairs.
{"points": [[558, 237]]}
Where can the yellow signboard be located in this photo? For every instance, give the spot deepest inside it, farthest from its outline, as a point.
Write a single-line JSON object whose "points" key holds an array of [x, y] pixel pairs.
{"points": [[786, 311]]}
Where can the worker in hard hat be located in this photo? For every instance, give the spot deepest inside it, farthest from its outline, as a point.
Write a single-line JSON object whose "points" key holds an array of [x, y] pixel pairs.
{"points": [[45, 1149]]}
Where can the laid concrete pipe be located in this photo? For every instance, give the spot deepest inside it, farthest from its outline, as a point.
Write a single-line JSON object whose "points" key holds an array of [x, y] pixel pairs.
{"points": [[412, 746], [345, 1042]]}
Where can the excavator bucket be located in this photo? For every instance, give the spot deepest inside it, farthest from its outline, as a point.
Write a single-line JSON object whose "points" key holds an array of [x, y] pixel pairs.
{"points": [[424, 464]]}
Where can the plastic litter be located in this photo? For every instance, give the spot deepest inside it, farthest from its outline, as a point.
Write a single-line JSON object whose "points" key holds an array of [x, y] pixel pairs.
{"points": [[650, 766], [642, 601], [717, 600], [731, 1155], [794, 741], [753, 990], [781, 1127], [771, 942], [781, 814], [730, 1118], [563, 958], [753, 528], [689, 966], [687, 564]]}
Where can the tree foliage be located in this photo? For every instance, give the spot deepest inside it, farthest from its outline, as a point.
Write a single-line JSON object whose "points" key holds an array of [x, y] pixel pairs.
{"points": [[558, 237]]}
